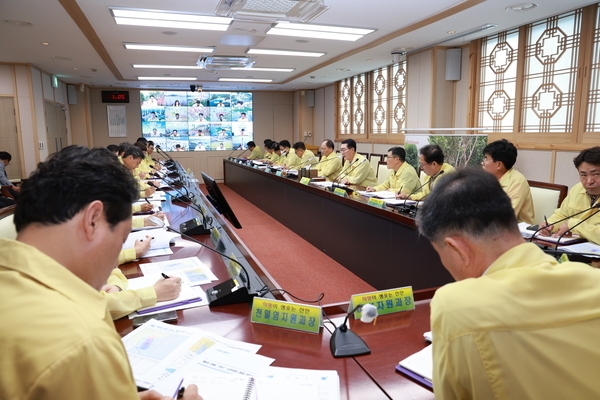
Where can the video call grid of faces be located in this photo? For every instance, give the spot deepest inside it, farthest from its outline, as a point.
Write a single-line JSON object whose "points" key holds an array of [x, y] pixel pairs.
{"points": [[197, 121]]}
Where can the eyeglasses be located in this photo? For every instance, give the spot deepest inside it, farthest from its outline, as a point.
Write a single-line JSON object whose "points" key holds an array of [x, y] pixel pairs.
{"points": [[343, 150], [423, 164]]}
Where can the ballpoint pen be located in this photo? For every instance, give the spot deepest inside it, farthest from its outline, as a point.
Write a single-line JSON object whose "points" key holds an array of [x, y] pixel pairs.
{"points": [[164, 275]]}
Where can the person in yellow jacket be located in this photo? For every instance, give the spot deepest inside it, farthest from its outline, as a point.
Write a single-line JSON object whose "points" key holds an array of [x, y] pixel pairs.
{"points": [[291, 160], [305, 157], [403, 178], [431, 159], [516, 324], [357, 170], [122, 301], [255, 153], [499, 158], [330, 164], [581, 197]]}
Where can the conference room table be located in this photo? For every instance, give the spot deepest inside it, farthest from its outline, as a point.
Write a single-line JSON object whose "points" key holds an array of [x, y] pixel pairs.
{"points": [[373, 376], [382, 247]]}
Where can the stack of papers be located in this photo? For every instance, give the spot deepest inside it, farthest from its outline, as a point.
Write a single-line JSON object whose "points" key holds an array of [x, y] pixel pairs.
{"points": [[419, 366], [188, 297], [565, 240], [386, 194], [191, 270]]}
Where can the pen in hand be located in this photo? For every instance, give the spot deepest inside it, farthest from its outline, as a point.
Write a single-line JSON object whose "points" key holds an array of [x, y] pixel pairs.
{"points": [[164, 275]]}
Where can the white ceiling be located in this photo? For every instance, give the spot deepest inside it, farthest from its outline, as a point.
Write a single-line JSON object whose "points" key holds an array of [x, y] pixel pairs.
{"points": [[100, 59]]}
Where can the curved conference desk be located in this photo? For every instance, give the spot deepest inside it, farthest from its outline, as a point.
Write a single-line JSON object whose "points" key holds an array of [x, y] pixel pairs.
{"points": [[381, 247], [373, 376]]}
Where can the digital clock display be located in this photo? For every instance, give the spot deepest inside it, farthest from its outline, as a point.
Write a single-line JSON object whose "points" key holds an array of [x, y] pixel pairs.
{"points": [[115, 96]]}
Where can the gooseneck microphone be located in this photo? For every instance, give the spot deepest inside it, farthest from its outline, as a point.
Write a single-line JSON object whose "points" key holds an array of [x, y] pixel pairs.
{"points": [[533, 236], [354, 164], [420, 187]]}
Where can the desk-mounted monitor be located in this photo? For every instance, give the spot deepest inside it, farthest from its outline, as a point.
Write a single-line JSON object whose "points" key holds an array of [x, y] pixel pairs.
{"points": [[215, 196]]}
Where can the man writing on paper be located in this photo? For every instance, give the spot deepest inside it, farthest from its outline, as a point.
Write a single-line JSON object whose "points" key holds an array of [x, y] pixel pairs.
{"points": [[58, 340], [255, 153], [357, 171], [582, 196], [499, 158], [403, 178], [330, 164], [431, 159], [305, 157], [516, 324]]}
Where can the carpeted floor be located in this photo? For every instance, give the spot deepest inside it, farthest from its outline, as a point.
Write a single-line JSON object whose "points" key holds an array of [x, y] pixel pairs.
{"points": [[295, 264]]}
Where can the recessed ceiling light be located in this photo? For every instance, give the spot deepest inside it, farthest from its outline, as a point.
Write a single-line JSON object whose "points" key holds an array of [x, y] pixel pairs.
{"points": [[165, 66], [164, 47], [318, 31], [245, 80], [284, 53], [451, 32], [74, 68], [343, 69], [20, 24], [164, 19], [521, 7], [369, 59], [45, 43], [263, 69], [167, 78]]}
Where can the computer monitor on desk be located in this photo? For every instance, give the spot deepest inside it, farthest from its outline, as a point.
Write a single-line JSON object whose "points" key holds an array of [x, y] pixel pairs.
{"points": [[215, 196]]}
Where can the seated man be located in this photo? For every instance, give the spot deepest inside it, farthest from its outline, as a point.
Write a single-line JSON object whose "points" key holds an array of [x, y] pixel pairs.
{"points": [[268, 151], [132, 157], [431, 159], [255, 153], [499, 158], [304, 157], [581, 197], [357, 170], [517, 324], [403, 178], [5, 158], [122, 301], [330, 164], [291, 160], [61, 342], [276, 157]]}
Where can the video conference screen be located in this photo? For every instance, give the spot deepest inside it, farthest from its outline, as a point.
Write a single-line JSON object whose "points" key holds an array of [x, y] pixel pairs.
{"points": [[197, 121]]}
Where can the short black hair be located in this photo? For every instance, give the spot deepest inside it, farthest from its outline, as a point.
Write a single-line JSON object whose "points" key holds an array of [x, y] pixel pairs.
{"points": [[142, 139], [113, 148], [141, 146], [150, 143], [398, 152], [502, 150], [134, 151], [123, 146], [329, 143], [469, 201], [267, 142], [590, 156], [71, 179], [299, 145], [5, 155], [350, 143], [285, 143], [251, 144], [274, 146], [431, 153]]}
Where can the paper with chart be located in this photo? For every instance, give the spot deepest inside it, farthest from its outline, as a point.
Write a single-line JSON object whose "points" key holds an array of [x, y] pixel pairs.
{"points": [[191, 270], [157, 350]]}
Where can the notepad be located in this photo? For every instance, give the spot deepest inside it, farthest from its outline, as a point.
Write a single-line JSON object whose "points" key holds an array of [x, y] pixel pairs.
{"points": [[419, 366], [220, 386], [186, 296]]}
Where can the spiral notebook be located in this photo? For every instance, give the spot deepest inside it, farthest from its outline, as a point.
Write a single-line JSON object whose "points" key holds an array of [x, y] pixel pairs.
{"points": [[221, 386]]}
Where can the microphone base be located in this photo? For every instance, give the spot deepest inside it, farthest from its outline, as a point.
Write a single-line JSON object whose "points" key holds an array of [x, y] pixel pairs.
{"points": [[347, 344], [193, 227], [228, 292]]}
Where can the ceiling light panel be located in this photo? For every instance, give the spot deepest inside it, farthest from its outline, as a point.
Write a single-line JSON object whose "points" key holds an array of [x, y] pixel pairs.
{"points": [[163, 19], [318, 31], [284, 53], [167, 78], [166, 66], [245, 80], [263, 69], [162, 47]]}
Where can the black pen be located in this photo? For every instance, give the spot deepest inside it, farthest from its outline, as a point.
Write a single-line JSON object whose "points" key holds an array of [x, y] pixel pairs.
{"points": [[141, 240], [145, 198], [546, 220], [164, 275], [180, 393]]}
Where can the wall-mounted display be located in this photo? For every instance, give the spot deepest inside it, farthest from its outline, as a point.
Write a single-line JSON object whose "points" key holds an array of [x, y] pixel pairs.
{"points": [[197, 121]]}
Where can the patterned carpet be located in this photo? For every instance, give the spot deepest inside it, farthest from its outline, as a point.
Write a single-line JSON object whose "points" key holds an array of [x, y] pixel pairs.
{"points": [[295, 264]]}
